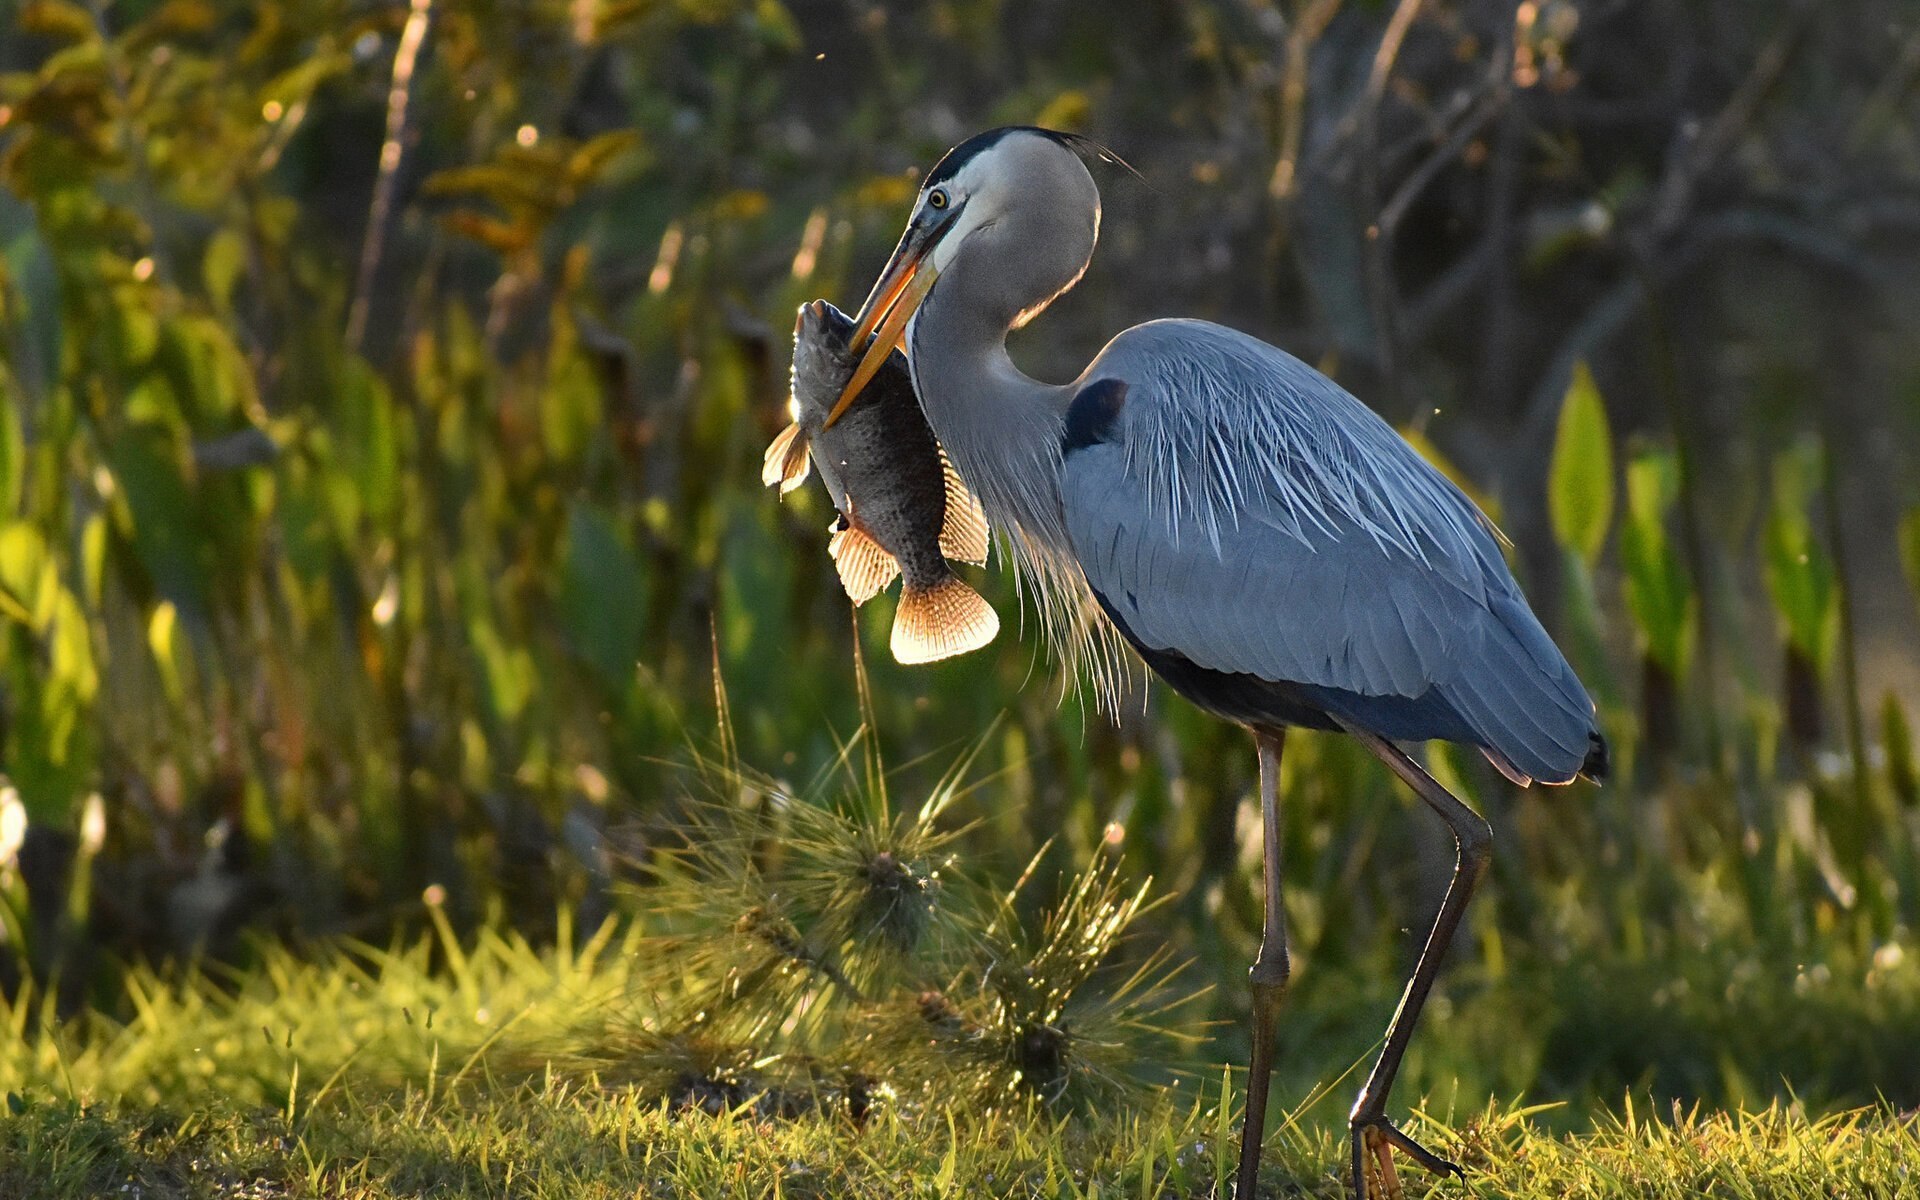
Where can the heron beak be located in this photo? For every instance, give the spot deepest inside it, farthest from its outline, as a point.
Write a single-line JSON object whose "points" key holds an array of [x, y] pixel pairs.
{"points": [[908, 278]]}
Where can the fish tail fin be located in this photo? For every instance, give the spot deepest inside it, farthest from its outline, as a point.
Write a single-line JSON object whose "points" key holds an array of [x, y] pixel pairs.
{"points": [[785, 461], [941, 620], [864, 567]]}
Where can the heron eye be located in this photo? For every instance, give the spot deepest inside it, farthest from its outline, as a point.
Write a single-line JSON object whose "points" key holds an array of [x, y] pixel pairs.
{"points": [[937, 198]]}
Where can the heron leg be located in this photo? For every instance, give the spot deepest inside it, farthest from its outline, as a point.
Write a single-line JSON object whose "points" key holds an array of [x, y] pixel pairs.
{"points": [[1372, 1134], [1270, 968]]}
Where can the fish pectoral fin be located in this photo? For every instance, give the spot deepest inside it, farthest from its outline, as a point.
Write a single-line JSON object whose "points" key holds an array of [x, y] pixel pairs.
{"points": [[941, 621], [785, 461], [963, 534], [864, 567]]}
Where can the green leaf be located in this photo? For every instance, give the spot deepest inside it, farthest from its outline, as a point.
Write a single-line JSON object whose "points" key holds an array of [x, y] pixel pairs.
{"points": [[776, 25], [1580, 482], [1897, 738], [1910, 549], [596, 154], [295, 85], [305, 536], [1653, 484], [57, 20], [161, 628], [755, 614], [133, 334], [1799, 571], [209, 376], [13, 446], [1658, 593], [602, 596], [153, 403], [177, 19], [369, 439], [93, 560], [71, 659], [514, 188], [508, 669], [168, 534], [53, 751], [502, 237], [220, 268], [34, 301], [28, 581], [570, 408]]}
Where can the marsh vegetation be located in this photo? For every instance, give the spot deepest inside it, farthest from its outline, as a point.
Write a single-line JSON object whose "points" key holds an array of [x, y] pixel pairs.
{"points": [[382, 393]]}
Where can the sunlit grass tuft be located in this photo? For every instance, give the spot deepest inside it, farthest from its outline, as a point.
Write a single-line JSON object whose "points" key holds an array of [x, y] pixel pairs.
{"points": [[372, 1099]]}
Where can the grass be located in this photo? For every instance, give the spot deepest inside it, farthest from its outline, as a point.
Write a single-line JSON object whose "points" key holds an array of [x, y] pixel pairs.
{"points": [[559, 1140], [814, 997], [497, 1069]]}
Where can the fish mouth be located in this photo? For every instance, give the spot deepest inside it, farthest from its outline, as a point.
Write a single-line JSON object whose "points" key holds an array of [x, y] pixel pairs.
{"points": [[904, 283]]}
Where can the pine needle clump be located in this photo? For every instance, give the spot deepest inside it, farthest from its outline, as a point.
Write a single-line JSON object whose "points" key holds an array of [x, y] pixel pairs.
{"points": [[819, 950], [1043, 1011]]}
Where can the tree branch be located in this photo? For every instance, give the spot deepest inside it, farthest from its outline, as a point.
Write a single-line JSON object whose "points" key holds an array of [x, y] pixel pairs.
{"points": [[386, 185], [1380, 289]]}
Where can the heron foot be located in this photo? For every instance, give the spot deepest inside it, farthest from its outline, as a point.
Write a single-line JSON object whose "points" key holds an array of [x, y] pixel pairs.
{"points": [[1374, 1141]]}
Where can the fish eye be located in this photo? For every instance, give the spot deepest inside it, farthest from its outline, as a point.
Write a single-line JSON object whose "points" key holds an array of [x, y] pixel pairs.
{"points": [[937, 198]]}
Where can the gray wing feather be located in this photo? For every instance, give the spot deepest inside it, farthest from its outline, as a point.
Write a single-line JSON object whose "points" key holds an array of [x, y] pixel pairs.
{"points": [[1263, 603], [1254, 518]]}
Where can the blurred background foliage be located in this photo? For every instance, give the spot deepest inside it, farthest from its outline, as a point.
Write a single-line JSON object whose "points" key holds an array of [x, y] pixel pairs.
{"points": [[384, 387]]}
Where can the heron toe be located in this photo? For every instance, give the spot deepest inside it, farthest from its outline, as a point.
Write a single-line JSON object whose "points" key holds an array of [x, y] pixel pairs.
{"points": [[1374, 1141]]}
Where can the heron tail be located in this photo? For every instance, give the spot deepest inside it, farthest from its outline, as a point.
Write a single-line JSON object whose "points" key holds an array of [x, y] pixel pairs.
{"points": [[1599, 761], [941, 620]]}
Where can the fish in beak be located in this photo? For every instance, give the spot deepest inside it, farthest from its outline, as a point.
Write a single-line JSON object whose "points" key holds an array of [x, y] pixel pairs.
{"points": [[908, 277]]}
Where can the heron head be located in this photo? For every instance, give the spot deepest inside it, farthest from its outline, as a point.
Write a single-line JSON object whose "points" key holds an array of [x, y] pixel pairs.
{"points": [[1022, 191]]}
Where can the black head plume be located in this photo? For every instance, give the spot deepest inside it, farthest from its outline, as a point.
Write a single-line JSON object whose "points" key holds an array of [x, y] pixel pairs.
{"points": [[1088, 150]]}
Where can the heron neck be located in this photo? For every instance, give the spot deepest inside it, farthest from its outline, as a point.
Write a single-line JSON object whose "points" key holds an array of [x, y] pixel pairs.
{"points": [[1001, 428]]}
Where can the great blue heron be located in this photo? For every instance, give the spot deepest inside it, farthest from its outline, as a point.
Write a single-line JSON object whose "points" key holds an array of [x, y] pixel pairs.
{"points": [[1268, 544]]}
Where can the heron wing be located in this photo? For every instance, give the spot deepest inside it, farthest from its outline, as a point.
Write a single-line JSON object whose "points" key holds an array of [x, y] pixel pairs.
{"points": [[1243, 512]]}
